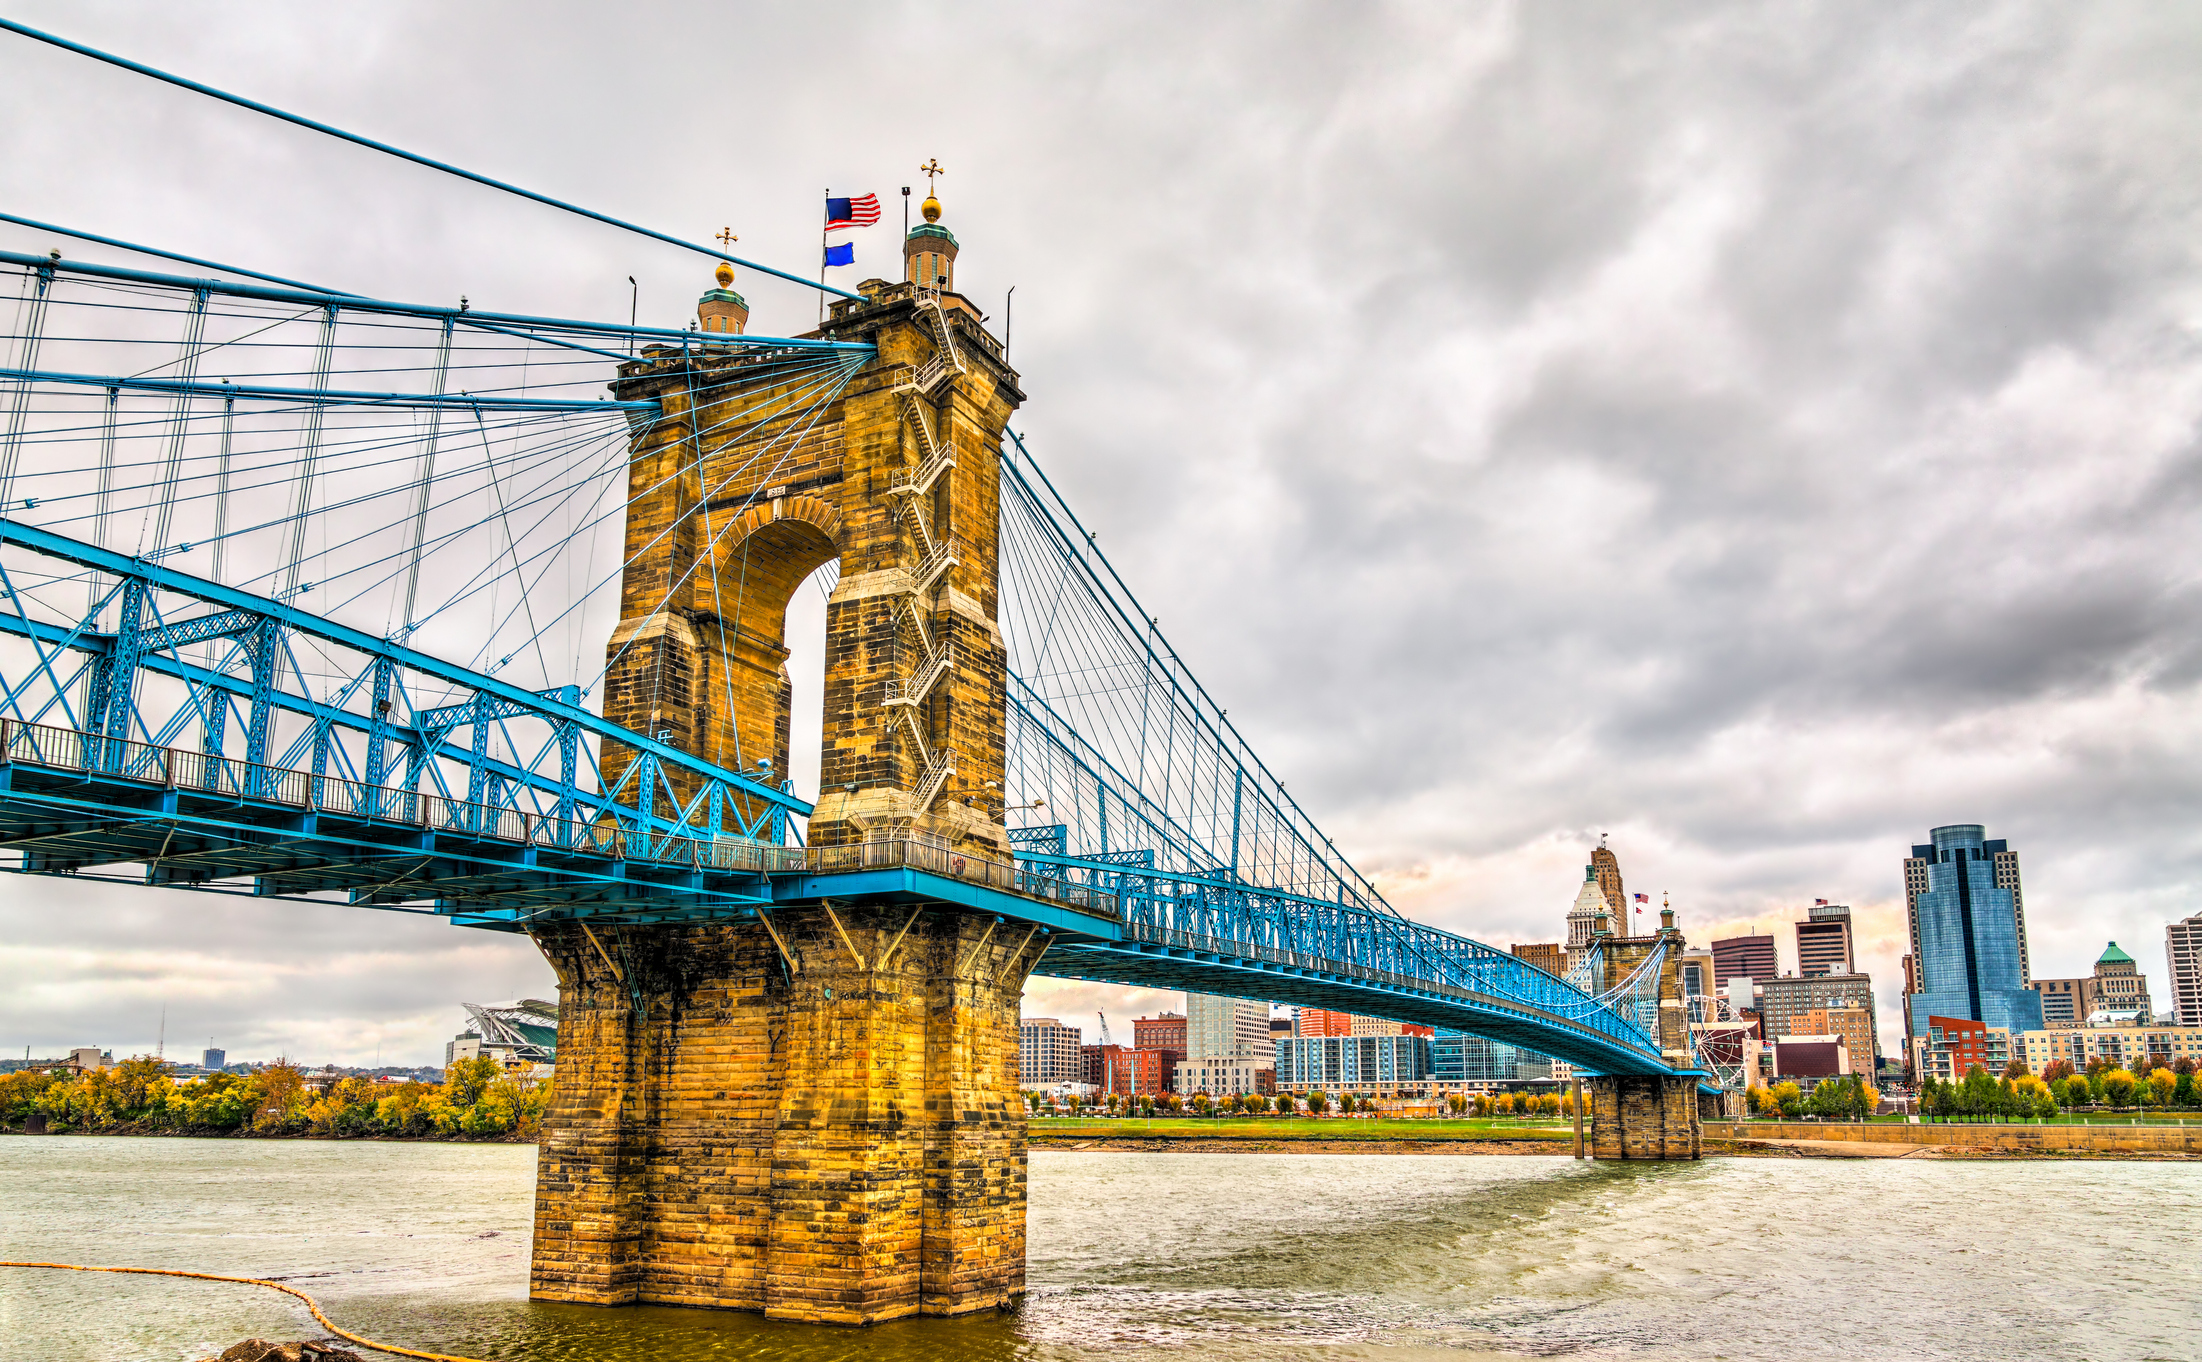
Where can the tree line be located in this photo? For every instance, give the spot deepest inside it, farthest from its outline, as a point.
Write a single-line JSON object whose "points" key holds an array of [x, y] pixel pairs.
{"points": [[1848, 1098], [476, 1098], [2103, 1085]]}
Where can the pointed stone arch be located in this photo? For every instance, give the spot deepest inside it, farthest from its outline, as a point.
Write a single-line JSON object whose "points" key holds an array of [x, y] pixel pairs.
{"points": [[757, 564]]}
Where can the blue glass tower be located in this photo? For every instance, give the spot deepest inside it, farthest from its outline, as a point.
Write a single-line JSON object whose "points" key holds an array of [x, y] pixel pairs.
{"points": [[1968, 933]]}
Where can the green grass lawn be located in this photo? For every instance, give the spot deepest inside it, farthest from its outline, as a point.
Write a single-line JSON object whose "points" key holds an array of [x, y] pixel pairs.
{"points": [[1300, 1128]]}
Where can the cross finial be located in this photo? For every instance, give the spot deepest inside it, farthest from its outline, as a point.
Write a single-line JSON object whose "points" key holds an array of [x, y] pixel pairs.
{"points": [[726, 237], [930, 169]]}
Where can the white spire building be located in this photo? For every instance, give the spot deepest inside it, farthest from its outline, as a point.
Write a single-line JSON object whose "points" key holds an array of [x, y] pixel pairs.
{"points": [[1582, 919]]}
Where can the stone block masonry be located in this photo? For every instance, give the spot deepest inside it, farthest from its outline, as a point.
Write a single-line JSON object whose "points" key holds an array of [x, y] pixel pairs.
{"points": [[833, 1133], [1648, 1117], [1651, 1117], [813, 1114]]}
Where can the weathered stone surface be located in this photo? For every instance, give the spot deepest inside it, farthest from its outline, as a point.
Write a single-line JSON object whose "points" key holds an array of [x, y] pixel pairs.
{"points": [[309, 1350], [831, 1131], [825, 1135], [1648, 1117]]}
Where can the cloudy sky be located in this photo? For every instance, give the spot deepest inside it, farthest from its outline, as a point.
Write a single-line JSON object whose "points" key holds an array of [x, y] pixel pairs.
{"points": [[1758, 434]]}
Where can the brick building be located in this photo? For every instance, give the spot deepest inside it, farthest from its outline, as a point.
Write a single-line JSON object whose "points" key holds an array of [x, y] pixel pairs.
{"points": [[1545, 955], [1955, 1046], [1165, 1031], [1118, 1071]]}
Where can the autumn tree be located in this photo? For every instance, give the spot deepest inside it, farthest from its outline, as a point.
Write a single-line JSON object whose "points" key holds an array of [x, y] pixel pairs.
{"points": [[2119, 1087], [2163, 1082]]}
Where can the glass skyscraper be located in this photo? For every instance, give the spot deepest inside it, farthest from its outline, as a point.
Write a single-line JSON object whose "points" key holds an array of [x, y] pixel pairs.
{"points": [[1968, 930]]}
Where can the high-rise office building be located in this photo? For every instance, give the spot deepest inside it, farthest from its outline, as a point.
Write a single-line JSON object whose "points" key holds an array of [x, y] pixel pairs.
{"points": [[213, 1059], [1226, 1028], [1313, 1022], [2117, 986], [1607, 867], [2063, 1001], [1582, 917], [1699, 970], [1789, 1006], [1911, 981], [1968, 931], [2120, 987], [1048, 1053], [2183, 950], [1853, 1024], [1824, 942], [1744, 957]]}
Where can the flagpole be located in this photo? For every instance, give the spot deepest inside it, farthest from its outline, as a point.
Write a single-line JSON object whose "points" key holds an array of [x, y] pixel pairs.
{"points": [[825, 215]]}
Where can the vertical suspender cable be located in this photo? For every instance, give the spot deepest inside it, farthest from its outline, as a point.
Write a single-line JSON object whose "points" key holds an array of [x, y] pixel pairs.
{"points": [[187, 371], [324, 354], [105, 495], [421, 484], [221, 484], [34, 328]]}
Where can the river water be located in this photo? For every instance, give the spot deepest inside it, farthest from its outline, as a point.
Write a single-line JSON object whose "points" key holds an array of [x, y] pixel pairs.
{"points": [[1400, 1258]]}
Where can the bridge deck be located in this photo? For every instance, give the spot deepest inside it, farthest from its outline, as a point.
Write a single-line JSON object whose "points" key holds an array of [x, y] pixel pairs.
{"points": [[73, 803]]}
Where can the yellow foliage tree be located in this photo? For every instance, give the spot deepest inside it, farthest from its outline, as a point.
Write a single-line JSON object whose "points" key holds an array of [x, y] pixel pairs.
{"points": [[2163, 1082]]}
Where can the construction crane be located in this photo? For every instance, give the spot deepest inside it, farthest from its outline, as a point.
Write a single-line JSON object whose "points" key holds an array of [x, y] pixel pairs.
{"points": [[1104, 1028]]}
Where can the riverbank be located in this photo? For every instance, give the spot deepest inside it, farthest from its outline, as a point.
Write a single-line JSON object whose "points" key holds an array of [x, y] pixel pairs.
{"points": [[2054, 1140], [141, 1130], [1298, 1135], [1760, 1139], [1193, 1144]]}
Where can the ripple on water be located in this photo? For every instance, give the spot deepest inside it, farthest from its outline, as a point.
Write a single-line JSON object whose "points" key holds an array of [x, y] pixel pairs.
{"points": [[1135, 1255]]}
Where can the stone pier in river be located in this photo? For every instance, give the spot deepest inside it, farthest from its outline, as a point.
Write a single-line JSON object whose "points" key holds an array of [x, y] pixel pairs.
{"points": [[1652, 1116], [812, 1111]]}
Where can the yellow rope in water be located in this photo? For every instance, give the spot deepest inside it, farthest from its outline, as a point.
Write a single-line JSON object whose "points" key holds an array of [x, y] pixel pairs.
{"points": [[311, 1304]]}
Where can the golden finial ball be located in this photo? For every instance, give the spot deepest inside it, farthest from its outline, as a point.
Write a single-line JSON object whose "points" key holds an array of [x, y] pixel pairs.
{"points": [[930, 208], [725, 275]]}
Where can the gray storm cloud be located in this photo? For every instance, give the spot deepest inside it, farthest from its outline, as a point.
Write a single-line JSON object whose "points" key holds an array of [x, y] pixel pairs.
{"points": [[1761, 434]]}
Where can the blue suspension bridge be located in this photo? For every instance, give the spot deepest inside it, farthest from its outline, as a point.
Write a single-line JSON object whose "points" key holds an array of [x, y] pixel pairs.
{"points": [[304, 597]]}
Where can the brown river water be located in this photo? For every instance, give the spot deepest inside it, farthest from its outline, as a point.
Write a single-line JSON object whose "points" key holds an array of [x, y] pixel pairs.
{"points": [[1133, 1256]]}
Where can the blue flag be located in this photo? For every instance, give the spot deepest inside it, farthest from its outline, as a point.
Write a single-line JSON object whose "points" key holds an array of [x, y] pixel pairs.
{"points": [[843, 254]]}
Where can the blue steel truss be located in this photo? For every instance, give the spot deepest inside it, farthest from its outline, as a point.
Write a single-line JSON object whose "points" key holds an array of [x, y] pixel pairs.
{"points": [[311, 780]]}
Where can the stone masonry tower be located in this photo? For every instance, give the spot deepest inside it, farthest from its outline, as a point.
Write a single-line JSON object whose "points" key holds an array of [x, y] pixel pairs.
{"points": [[811, 1111], [1647, 1116]]}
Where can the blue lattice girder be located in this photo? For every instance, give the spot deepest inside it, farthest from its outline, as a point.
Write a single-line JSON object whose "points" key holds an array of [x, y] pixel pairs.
{"points": [[270, 621]]}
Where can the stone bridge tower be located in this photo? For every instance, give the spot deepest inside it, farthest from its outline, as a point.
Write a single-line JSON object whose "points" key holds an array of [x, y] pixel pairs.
{"points": [[1654, 1116], [812, 1112]]}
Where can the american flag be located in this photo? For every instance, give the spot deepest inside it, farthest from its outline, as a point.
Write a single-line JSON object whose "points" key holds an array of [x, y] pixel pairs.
{"points": [[1819, 903], [861, 212]]}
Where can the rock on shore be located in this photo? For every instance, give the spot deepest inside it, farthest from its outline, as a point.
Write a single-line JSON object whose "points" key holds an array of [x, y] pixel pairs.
{"points": [[308, 1350]]}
